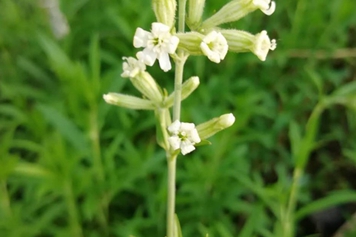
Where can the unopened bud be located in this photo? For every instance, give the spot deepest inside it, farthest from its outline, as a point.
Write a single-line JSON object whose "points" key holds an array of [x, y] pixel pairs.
{"points": [[187, 88], [128, 101], [236, 9], [144, 82], [242, 41], [215, 125], [195, 12], [165, 11]]}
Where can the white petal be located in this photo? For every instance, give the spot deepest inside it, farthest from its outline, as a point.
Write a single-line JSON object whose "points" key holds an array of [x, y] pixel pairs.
{"points": [[147, 56], [205, 48], [173, 44], [141, 38], [214, 57], [175, 142], [270, 10], [159, 28], [187, 127], [174, 127], [164, 62], [131, 67], [214, 46], [194, 136], [186, 147], [262, 45]]}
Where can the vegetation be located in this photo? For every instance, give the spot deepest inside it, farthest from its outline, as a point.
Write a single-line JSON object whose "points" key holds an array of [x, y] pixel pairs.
{"points": [[71, 165]]}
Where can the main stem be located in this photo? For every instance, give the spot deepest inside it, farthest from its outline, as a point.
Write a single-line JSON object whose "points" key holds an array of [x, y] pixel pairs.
{"points": [[171, 195], [288, 224], [172, 159]]}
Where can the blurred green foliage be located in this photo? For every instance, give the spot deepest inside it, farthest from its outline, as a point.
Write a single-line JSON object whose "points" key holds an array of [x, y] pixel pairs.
{"points": [[71, 165]]}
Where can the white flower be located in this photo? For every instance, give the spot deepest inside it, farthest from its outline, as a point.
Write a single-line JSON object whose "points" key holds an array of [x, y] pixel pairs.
{"points": [[132, 67], [264, 6], [263, 44], [214, 46], [183, 136], [157, 44]]}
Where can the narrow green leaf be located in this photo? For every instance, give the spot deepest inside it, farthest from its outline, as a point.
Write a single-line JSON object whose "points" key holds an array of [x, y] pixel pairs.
{"points": [[346, 90], [252, 223], [94, 60], [333, 199], [315, 78], [222, 230], [294, 137], [66, 127], [177, 229], [32, 170]]}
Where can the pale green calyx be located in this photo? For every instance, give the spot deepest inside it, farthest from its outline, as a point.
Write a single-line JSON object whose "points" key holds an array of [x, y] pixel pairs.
{"points": [[187, 88], [165, 11], [190, 42], [148, 87], [242, 41], [195, 12], [215, 125], [236, 9], [142, 80], [128, 101]]}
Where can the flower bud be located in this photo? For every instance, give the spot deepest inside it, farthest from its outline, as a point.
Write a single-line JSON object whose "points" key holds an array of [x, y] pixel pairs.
{"points": [[187, 88], [215, 125], [128, 101], [144, 83], [165, 11], [236, 9], [195, 12], [242, 41]]}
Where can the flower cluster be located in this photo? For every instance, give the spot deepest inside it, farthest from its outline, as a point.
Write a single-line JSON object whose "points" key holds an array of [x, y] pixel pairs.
{"points": [[205, 37]]}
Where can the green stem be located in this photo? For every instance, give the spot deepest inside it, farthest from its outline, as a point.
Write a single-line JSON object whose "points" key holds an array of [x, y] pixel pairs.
{"points": [[4, 199], [178, 80], [72, 210], [302, 159], [98, 166], [172, 159], [171, 195], [288, 223]]}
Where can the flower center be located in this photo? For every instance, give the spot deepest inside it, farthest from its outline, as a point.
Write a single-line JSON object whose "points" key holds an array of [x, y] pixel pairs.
{"points": [[183, 136]]}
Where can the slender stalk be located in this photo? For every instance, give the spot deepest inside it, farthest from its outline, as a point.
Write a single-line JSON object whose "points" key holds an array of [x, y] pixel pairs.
{"points": [[178, 79], [4, 199], [171, 195], [72, 210], [172, 159], [301, 161], [98, 166], [288, 223]]}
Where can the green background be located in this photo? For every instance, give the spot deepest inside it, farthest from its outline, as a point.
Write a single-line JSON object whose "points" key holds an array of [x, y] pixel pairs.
{"points": [[71, 165]]}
